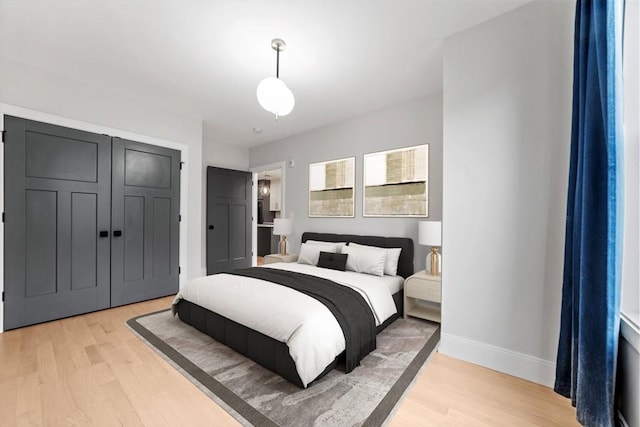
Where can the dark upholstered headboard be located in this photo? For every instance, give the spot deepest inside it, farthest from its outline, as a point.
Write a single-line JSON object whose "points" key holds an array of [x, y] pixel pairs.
{"points": [[405, 263]]}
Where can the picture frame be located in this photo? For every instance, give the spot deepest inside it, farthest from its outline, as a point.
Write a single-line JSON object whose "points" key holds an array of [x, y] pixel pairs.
{"points": [[332, 188], [395, 183]]}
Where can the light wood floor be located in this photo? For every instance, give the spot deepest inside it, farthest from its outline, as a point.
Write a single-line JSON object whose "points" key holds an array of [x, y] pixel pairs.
{"points": [[91, 370]]}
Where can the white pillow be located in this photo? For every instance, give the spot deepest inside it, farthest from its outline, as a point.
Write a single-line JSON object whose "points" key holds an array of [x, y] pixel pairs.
{"points": [[318, 242], [365, 259], [391, 263], [309, 253]]}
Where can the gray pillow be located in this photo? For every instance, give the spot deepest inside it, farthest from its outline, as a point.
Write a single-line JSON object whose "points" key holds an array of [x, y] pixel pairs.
{"points": [[333, 261]]}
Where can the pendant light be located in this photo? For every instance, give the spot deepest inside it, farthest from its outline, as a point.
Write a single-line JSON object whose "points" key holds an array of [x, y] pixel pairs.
{"points": [[273, 94], [265, 189]]}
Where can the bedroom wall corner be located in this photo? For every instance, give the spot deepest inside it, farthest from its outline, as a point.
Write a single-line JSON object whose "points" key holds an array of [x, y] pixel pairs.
{"points": [[411, 123], [507, 120]]}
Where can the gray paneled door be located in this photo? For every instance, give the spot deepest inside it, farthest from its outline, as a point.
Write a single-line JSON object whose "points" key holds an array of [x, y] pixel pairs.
{"points": [[145, 221], [57, 222], [91, 222], [229, 201]]}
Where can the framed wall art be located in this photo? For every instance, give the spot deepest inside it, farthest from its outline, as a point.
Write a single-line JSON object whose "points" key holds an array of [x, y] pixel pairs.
{"points": [[332, 188], [396, 183]]}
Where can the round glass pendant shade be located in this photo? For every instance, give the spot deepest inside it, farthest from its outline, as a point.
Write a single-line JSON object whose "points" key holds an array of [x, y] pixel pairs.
{"points": [[275, 96]]}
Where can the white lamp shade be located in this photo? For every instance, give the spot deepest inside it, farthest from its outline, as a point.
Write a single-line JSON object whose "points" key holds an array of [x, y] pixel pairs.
{"points": [[274, 96], [282, 227], [430, 233]]}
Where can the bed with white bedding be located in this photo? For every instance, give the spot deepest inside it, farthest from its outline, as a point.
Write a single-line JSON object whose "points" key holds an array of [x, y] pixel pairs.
{"points": [[286, 330]]}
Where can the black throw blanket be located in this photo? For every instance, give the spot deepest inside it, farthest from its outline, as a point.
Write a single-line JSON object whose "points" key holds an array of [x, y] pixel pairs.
{"points": [[348, 307]]}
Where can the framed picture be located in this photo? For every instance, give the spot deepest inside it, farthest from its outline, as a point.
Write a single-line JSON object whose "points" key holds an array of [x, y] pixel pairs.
{"points": [[332, 188], [395, 183]]}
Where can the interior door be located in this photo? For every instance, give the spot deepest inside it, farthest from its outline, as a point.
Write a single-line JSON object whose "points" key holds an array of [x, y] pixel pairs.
{"points": [[57, 221], [228, 219], [145, 222]]}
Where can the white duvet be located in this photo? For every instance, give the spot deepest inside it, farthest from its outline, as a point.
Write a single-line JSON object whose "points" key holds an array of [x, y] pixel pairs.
{"points": [[312, 334]]}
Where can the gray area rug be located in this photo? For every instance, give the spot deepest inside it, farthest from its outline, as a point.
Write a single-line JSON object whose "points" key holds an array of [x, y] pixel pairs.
{"points": [[257, 396]]}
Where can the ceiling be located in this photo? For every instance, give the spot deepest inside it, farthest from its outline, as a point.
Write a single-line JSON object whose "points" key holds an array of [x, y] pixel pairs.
{"points": [[206, 58]]}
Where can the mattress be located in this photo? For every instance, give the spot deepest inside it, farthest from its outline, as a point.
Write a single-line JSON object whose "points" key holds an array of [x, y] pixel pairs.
{"points": [[305, 325]]}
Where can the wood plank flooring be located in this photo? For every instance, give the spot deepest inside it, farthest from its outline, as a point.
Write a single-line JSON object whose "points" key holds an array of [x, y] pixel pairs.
{"points": [[91, 370]]}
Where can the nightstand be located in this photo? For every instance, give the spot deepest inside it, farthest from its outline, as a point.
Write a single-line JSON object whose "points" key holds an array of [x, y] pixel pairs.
{"points": [[422, 296], [271, 258]]}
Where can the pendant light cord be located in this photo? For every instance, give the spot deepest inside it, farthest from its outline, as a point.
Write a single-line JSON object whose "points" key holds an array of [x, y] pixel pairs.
{"points": [[277, 69]]}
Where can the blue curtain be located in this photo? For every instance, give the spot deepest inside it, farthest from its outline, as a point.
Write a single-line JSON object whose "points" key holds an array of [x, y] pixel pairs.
{"points": [[587, 350]]}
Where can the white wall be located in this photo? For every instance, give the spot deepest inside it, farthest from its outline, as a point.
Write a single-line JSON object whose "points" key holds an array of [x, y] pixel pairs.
{"points": [[226, 156], [507, 119], [412, 123], [631, 249], [628, 393], [123, 113]]}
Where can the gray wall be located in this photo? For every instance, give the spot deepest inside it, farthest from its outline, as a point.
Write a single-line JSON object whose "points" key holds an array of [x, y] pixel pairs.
{"points": [[412, 123], [507, 119]]}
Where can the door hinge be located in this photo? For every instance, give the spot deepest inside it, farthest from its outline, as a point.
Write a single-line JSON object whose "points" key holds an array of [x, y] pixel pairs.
{"points": [[181, 163], [179, 270], [4, 133], [3, 217], [179, 218], [2, 296]]}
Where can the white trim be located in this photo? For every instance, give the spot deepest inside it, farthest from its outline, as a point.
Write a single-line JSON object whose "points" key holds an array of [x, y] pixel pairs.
{"points": [[254, 205], [500, 359], [25, 113], [630, 331], [2, 225]]}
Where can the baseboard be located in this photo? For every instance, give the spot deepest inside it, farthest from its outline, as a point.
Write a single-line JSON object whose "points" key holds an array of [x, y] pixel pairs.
{"points": [[510, 362], [630, 331]]}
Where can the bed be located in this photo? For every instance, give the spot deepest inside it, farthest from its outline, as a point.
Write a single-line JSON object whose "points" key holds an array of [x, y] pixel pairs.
{"points": [[234, 317]]}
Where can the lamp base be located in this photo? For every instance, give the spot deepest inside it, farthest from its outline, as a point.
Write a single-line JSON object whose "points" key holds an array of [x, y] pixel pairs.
{"points": [[283, 245], [435, 261]]}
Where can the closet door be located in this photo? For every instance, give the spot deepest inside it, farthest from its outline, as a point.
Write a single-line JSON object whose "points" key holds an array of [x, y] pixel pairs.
{"points": [[145, 222], [57, 221]]}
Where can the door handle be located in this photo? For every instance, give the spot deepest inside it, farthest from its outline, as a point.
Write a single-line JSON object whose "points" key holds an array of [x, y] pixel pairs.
{"points": [[117, 233], [211, 227], [104, 234]]}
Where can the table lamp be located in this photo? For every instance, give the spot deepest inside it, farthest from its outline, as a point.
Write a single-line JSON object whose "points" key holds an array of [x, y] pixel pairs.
{"points": [[430, 234], [282, 227]]}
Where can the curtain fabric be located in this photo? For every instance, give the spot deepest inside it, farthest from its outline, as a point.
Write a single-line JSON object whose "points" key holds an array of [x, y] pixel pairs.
{"points": [[587, 350]]}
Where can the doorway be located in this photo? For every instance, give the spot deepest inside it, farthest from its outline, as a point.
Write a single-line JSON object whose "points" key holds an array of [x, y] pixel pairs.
{"points": [[269, 204]]}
